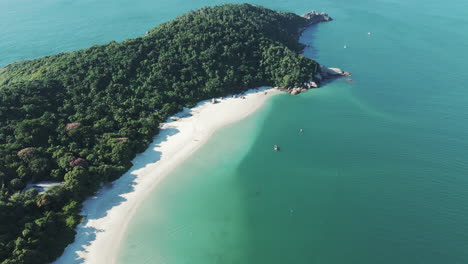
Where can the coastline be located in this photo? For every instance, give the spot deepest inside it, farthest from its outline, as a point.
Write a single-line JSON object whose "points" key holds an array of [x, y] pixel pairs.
{"points": [[4, 67], [107, 214]]}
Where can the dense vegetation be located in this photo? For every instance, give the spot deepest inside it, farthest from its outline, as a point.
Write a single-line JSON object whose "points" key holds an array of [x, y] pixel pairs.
{"points": [[80, 117]]}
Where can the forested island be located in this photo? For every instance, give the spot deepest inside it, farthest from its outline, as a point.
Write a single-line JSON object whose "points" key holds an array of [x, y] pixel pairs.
{"points": [[79, 118]]}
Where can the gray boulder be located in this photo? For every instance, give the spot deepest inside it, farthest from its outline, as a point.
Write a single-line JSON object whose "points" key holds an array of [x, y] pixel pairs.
{"points": [[316, 17]]}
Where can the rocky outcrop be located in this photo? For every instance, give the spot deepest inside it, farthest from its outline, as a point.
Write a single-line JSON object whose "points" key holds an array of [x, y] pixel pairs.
{"points": [[295, 91], [324, 74], [73, 126], [316, 17], [331, 71], [328, 73], [310, 84], [79, 162]]}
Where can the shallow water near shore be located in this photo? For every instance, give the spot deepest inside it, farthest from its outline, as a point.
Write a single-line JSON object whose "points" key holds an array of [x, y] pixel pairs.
{"points": [[378, 175]]}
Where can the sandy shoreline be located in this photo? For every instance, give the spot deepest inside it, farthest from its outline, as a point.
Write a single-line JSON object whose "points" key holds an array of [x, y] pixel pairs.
{"points": [[108, 213]]}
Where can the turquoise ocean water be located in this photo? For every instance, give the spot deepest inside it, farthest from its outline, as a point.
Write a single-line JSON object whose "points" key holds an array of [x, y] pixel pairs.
{"points": [[379, 175]]}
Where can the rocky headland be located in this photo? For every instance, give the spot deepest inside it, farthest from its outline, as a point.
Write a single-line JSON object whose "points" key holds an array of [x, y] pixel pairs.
{"points": [[316, 17], [324, 72]]}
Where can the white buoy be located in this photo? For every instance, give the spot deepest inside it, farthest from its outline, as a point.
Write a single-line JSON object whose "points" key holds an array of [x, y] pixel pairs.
{"points": [[368, 33], [345, 47]]}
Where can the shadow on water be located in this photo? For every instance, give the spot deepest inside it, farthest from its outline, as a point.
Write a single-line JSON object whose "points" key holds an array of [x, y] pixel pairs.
{"points": [[307, 38], [112, 195], [273, 194]]}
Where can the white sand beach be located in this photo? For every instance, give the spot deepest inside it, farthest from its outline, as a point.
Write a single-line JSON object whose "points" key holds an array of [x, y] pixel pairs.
{"points": [[108, 213]]}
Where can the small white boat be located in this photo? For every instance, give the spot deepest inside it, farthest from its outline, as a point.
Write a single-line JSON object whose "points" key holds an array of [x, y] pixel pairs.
{"points": [[345, 46], [275, 147], [368, 33]]}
